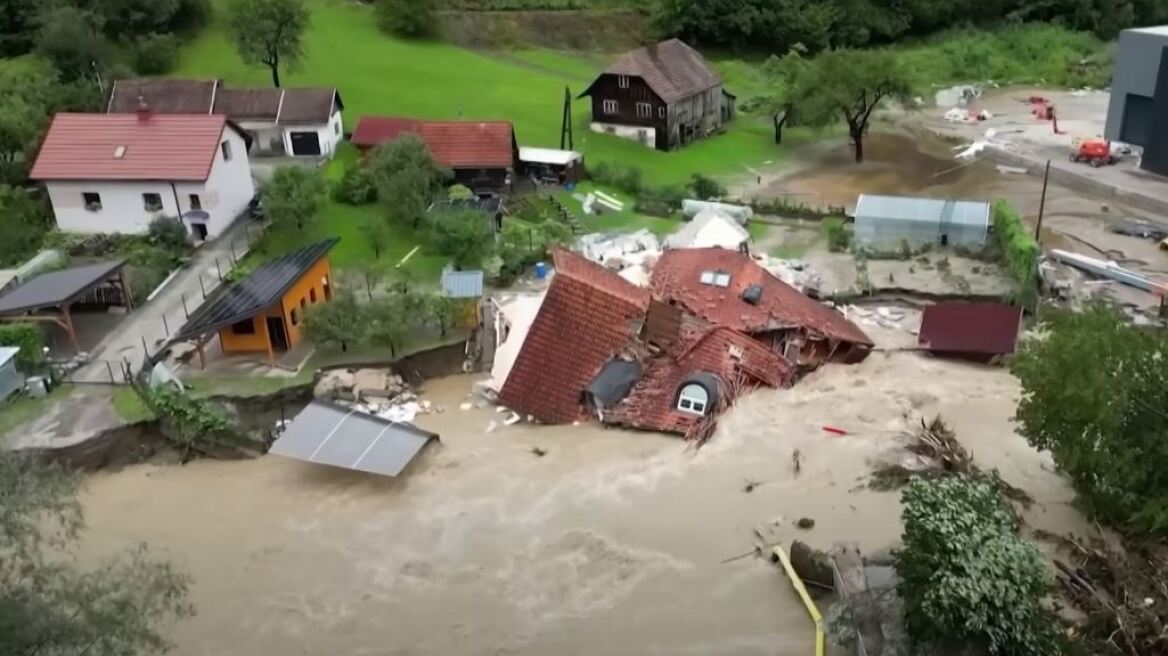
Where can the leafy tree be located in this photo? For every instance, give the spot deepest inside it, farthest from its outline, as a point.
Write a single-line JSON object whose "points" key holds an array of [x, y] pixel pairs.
{"points": [[966, 577], [407, 18], [17, 27], [169, 233], [26, 220], [465, 236], [154, 53], [341, 321], [72, 39], [406, 177], [31, 342], [1094, 393], [784, 73], [443, 311], [28, 87], [389, 321], [355, 186], [295, 195], [849, 85], [50, 606], [705, 187], [269, 32], [376, 234]]}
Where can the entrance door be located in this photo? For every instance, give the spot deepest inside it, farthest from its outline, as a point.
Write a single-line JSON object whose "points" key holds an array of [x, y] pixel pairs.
{"points": [[304, 143], [200, 231], [277, 335]]}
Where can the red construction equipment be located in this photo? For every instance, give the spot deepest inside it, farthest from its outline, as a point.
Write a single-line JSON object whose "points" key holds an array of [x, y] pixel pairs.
{"points": [[1095, 152]]}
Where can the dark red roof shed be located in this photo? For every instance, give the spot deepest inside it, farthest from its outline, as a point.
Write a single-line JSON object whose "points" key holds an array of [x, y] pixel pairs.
{"points": [[972, 329]]}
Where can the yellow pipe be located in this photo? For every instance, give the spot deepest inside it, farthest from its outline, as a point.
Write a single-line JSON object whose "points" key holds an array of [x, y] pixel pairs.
{"points": [[802, 590]]}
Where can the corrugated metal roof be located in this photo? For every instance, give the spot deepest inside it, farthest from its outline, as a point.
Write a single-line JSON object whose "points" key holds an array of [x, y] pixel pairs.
{"points": [[260, 290], [462, 284], [163, 96], [330, 434], [7, 353], [978, 328], [927, 210], [57, 287]]}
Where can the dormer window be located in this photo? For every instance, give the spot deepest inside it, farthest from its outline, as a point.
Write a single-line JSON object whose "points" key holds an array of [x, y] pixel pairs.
{"points": [[622, 81], [693, 399]]}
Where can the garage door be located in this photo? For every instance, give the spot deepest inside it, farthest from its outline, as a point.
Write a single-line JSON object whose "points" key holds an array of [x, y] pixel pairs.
{"points": [[305, 143]]}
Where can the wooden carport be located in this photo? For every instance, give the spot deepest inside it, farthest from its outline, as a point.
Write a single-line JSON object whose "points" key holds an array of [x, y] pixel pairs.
{"points": [[51, 296]]}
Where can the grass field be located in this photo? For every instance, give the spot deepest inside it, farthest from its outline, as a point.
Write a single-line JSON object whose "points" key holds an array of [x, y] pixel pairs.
{"points": [[380, 75]]}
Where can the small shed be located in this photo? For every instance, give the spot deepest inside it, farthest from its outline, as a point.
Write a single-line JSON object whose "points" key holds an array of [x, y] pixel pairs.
{"points": [[465, 287], [970, 331], [889, 220], [552, 166], [11, 380]]}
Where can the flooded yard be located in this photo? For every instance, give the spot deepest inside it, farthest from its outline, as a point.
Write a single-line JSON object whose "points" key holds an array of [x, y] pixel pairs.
{"points": [[610, 543]]}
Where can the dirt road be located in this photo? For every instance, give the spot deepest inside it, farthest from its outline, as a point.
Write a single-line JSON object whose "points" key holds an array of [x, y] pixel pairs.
{"points": [[611, 543]]}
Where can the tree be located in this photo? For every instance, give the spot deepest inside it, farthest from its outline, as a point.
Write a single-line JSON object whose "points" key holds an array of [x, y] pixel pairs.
{"points": [[269, 32], [26, 220], [341, 321], [849, 85], [443, 311], [407, 18], [169, 233], [407, 178], [966, 577], [784, 73], [465, 236], [389, 321], [376, 234], [705, 187], [50, 606], [295, 195], [1094, 393], [72, 39]]}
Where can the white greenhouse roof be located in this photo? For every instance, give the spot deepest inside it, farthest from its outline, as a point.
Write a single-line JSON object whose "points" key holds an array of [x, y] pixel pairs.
{"points": [[548, 156], [7, 353], [925, 210]]}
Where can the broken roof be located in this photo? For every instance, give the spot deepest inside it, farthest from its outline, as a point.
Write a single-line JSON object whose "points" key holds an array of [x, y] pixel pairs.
{"points": [[454, 144], [672, 69], [163, 96], [260, 290], [588, 314], [678, 277], [169, 147], [975, 328]]}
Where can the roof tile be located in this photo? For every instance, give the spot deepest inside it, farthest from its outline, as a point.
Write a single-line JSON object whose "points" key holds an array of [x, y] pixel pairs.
{"points": [[454, 144], [671, 68]]}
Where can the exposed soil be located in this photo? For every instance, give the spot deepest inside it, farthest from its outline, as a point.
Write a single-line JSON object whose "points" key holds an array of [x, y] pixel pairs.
{"points": [[611, 542]]}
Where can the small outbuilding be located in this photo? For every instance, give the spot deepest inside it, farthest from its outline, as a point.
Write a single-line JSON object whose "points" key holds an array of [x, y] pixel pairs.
{"points": [[11, 380], [970, 331], [551, 166], [50, 297], [891, 220]]}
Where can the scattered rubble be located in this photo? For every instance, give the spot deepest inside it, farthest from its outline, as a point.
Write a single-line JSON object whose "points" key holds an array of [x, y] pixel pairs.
{"points": [[376, 391]]}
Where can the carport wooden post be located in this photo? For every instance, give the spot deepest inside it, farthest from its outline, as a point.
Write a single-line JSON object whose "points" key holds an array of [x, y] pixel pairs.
{"points": [[202, 353], [268, 340], [125, 289], [68, 318]]}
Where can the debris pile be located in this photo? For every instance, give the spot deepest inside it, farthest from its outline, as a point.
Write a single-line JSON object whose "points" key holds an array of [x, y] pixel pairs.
{"points": [[375, 391], [884, 317]]}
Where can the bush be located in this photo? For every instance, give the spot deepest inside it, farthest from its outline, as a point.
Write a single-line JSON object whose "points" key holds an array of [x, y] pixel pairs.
{"points": [[153, 54], [630, 179], [31, 342], [662, 201], [705, 187], [169, 234], [407, 18], [839, 238], [966, 578], [465, 236], [1017, 245], [355, 187]]}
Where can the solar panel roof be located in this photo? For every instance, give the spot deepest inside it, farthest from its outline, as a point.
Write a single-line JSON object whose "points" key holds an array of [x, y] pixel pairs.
{"points": [[56, 288]]}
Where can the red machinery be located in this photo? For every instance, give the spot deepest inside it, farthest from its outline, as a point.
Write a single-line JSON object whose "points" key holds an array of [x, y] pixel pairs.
{"points": [[1095, 152]]}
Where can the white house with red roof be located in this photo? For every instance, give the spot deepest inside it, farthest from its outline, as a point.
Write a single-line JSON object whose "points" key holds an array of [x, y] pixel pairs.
{"points": [[114, 173]]}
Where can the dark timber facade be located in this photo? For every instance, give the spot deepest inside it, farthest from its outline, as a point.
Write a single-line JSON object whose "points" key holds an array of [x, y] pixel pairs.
{"points": [[664, 95]]}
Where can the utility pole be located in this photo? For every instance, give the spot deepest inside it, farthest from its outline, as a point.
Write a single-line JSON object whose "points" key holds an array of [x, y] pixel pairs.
{"points": [[566, 127], [1042, 205]]}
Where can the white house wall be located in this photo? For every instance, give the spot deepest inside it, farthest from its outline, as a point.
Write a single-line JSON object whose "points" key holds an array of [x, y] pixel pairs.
{"points": [[646, 136], [223, 196], [328, 135]]}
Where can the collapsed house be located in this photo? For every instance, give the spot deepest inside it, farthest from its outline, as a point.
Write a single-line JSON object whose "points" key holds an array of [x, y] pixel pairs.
{"points": [[712, 325]]}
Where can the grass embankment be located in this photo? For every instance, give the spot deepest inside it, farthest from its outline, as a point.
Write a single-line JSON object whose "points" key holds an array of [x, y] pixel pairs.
{"points": [[24, 409], [130, 406]]}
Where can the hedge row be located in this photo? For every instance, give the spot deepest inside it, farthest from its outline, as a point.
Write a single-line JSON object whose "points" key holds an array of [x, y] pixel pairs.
{"points": [[28, 338], [1019, 248]]}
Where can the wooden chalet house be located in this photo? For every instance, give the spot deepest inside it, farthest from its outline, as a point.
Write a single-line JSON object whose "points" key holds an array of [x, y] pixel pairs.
{"points": [[664, 95]]}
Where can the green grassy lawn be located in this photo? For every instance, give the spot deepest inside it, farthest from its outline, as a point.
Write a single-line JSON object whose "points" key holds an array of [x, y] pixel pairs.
{"points": [[246, 386], [24, 409], [130, 406], [377, 74]]}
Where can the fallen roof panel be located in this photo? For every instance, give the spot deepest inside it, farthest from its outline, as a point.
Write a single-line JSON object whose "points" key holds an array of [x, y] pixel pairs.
{"points": [[330, 434], [982, 328], [56, 288]]}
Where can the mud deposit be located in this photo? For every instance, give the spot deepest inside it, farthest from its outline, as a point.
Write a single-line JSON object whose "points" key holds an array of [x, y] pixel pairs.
{"points": [[609, 544]]}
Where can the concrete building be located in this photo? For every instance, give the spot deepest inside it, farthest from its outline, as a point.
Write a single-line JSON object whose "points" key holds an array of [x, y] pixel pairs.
{"points": [[1139, 94], [115, 173], [888, 220]]}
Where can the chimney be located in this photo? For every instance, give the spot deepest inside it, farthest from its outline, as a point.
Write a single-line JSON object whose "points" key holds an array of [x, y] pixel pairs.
{"points": [[144, 111]]}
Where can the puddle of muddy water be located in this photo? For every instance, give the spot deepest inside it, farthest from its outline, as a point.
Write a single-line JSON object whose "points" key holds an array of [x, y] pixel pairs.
{"points": [[612, 543]]}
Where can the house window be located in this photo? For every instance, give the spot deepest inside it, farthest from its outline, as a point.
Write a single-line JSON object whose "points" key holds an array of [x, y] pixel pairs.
{"points": [[295, 317], [312, 295], [152, 202], [336, 128], [715, 278], [693, 399], [226, 148], [303, 303], [644, 110], [622, 81], [611, 107], [196, 202], [245, 327], [92, 201], [661, 112]]}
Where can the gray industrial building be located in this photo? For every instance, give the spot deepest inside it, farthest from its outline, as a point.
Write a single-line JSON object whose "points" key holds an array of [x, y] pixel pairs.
{"points": [[1139, 94], [889, 220]]}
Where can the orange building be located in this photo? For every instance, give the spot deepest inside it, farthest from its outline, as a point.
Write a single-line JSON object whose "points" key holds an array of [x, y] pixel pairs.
{"points": [[264, 312]]}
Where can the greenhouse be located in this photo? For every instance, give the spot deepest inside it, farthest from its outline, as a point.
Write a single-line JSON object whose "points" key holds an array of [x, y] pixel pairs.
{"points": [[891, 220]]}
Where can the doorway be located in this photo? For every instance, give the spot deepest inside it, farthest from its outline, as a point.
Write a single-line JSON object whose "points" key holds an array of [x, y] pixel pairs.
{"points": [[200, 231], [277, 335], [304, 143]]}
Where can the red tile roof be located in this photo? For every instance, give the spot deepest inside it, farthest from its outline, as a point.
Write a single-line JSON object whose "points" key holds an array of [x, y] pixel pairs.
{"points": [[588, 314], [454, 144], [738, 362], [977, 328], [677, 277], [161, 147]]}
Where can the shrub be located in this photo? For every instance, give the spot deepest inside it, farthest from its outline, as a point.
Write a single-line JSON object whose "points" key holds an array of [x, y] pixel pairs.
{"points": [[154, 54], [355, 187], [465, 236], [662, 201], [31, 342], [407, 18], [1018, 246], [839, 238], [705, 187], [169, 234], [966, 577]]}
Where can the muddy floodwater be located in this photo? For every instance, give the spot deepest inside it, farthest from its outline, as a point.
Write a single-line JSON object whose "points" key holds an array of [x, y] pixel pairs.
{"points": [[611, 543]]}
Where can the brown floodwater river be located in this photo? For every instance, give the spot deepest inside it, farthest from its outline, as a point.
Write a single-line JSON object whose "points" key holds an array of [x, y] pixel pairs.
{"points": [[610, 544]]}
